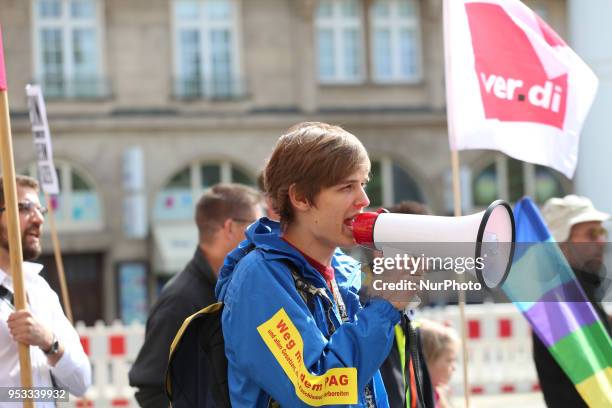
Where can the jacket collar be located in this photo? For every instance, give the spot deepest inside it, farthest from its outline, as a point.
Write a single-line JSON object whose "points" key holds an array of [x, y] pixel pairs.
{"points": [[202, 267], [265, 234]]}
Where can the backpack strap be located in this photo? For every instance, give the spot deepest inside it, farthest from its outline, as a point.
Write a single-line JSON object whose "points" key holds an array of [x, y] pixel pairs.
{"points": [[308, 292], [414, 367], [305, 288]]}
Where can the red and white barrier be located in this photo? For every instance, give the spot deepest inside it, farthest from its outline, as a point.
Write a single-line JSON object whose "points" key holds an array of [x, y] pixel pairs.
{"points": [[499, 349], [111, 350]]}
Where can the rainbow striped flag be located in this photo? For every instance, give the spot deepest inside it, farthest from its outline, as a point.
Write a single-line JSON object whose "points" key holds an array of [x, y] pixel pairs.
{"points": [[2, 70], [543, 286]]}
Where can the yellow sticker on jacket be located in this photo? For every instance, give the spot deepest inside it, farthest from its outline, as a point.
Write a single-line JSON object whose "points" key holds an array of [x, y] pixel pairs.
{"points": [[336, 386]]}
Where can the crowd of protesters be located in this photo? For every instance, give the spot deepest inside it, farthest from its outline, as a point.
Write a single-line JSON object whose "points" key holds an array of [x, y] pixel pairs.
{"points": [[296, 331]]}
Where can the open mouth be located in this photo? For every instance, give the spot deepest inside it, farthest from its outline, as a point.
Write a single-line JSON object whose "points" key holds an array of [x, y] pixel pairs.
{"points": [[349, 222], [33, 234]]}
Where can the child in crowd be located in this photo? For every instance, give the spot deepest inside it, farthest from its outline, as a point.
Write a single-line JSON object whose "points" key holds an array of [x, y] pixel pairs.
{"points": [[440, 346]]}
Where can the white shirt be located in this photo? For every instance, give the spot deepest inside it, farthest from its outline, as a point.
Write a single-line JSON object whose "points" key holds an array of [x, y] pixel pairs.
{"points": [[72, 371]]}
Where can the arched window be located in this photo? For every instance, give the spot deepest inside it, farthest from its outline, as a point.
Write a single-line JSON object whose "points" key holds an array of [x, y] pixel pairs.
{"points": [[78, 205], [176, 201], [390, 184], [517, 179]]}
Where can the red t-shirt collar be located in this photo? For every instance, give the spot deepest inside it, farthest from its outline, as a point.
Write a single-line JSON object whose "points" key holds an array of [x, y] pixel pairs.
{"points": [[326, 271]]}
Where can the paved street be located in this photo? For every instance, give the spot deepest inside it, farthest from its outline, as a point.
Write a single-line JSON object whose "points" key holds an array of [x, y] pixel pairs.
{"points": [[523, 400]]}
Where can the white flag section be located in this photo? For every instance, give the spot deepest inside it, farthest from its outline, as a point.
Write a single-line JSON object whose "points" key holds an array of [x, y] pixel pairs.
{"points": [[42, 140], [512, 84]]}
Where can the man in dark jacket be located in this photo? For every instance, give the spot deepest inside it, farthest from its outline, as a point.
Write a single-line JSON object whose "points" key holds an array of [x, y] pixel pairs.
{"points": [[577, 226], [222, 214]]}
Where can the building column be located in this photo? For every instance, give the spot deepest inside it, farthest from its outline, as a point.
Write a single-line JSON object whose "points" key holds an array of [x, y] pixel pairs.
{"points": [[432, 52], [589, 34], [305, 54]]}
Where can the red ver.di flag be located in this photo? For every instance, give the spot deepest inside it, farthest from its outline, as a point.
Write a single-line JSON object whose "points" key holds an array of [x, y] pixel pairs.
{"points": [[513, 84]]}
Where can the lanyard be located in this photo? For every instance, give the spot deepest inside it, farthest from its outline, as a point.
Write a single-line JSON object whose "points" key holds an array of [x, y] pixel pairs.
{"points": [[305, 287], [339, 301]]}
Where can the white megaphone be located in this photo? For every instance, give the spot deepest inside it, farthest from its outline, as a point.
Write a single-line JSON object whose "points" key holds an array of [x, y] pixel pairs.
{"points": [[488, 235]]}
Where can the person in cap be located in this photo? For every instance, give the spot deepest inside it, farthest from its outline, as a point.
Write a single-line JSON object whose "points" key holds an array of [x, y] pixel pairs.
{"points": [[577, 226]]}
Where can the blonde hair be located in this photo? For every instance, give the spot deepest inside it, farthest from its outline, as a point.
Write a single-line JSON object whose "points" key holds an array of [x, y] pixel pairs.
{"points": [[436, 339], [310, 156]]}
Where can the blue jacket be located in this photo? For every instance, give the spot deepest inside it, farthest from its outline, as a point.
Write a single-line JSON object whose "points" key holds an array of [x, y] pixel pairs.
{"points": [[277, 347]]}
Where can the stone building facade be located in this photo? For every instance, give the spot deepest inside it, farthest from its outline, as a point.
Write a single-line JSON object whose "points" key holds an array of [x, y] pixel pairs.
{"points": [[150, 101]]}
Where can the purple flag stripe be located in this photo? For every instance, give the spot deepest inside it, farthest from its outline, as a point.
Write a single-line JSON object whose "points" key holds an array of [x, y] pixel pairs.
{"points": [[570, 291], [560, 312]]}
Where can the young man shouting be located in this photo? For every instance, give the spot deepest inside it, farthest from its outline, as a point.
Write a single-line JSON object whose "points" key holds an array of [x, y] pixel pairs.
{"points": [[295, 332]]}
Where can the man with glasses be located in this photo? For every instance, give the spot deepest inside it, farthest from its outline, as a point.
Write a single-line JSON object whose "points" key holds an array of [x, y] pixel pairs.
{"points": [[56, 354], [577, 226], [221, 215]]}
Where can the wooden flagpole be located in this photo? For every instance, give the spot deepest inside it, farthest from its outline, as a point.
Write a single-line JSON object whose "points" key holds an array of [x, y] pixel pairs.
{"points": [[59, 263], [457, 207], [14, 234], [456, 194]]}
